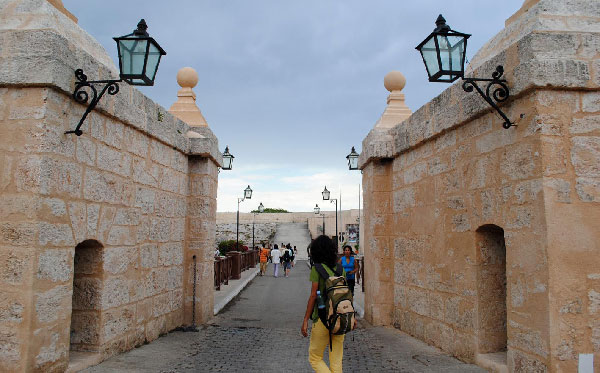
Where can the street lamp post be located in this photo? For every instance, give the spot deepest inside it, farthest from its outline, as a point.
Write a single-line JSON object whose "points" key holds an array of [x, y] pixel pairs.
{"points": [[353, 165], [261, 208], [247, 195], [318, 212], [326, 194]]}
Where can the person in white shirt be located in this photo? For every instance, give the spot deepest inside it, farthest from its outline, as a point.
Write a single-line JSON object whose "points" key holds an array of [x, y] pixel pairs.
{"points": [[275, 258]]}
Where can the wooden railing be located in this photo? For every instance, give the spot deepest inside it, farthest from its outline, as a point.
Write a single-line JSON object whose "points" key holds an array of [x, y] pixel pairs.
{"points": [[230, 267], [222, 271]]}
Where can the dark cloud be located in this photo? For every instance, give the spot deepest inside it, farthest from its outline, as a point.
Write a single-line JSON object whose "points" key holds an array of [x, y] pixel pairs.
{"points": [[292, 81]]}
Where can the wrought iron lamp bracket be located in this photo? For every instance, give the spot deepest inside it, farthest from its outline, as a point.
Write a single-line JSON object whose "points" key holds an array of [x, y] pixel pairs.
{"points": [[82, 96], [495, 91]]}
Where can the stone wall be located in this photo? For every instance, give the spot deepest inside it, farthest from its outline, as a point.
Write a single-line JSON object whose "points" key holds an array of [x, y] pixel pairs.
{"points": [[263, 232], [226, 223], [97, 232], [482, 239]]}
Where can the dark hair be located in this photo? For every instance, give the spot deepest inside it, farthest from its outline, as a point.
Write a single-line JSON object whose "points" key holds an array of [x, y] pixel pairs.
{"points": [[322, 250], [275, 247], [348, 246]]}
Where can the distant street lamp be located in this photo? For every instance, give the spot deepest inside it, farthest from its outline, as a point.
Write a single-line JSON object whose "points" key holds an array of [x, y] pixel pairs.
{"points": [[318, 212], [227, 159], [261, 208], [443, 53], [139, 56], [247, 195], [352, 160], [248, 192], [326, 195]]}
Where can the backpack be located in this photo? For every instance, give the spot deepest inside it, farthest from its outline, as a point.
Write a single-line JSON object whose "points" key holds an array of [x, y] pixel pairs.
{"points": [[286, 256], [339, 317]]}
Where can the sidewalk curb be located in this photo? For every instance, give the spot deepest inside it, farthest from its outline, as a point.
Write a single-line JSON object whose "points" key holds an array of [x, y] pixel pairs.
{"points": [[236, 290]]}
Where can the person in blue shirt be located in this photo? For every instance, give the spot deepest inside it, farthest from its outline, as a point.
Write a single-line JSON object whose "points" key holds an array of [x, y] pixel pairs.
{"points": [[350, 267]]}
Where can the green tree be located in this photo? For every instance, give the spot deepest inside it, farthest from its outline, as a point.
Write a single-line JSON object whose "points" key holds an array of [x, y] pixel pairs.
{"points": [[272, 210]]}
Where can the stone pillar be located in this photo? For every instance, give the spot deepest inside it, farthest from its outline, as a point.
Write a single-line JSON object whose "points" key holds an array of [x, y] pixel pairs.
{"points": [[202, 211], [378, 222], [201, 205], [379, 264]]}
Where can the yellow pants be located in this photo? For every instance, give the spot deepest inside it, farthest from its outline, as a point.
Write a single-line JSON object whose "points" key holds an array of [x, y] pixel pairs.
{"points": [[319, 340], [263, 267]]}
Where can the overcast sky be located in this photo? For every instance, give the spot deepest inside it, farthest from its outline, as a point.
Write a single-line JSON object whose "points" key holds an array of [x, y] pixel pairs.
{"points": [[290, 86]]}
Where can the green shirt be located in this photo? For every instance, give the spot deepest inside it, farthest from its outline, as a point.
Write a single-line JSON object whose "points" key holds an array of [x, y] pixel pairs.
{"points": [[315, 277]]}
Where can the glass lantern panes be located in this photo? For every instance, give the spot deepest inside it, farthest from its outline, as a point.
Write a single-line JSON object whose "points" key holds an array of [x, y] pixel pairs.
{"points": [[139, 56], [325, 194], [227, 159], [317, 209], [248, 193], [443, 53], [352, 159]]}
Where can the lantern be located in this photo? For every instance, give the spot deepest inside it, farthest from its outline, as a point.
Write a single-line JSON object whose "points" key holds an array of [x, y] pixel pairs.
{"points": [[325, 194], [139, 56], [227, 159], [352, 160], [248, 193], [443, 53]]}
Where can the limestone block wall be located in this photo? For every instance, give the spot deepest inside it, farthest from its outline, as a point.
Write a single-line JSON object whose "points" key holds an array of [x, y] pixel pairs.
{"points": [[226, 222], [482, 239], [201, 230], [263, 232], [97, 232]]}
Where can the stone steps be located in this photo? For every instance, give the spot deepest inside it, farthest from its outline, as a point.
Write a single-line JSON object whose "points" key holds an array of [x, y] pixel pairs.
{"points": [[296, 234]]}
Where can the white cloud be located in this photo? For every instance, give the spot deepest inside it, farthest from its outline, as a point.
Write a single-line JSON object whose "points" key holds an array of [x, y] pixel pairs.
{"points": [[291, 189]]}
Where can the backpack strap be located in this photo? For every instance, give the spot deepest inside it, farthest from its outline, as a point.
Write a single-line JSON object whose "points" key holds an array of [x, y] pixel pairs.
{"points": [[339, 269], [321, 271]]}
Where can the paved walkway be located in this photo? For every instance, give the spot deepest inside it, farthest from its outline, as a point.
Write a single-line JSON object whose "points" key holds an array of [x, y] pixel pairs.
{"points": [[259, 331]]}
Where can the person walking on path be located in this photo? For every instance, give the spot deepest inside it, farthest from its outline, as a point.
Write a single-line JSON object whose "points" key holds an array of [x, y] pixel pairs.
{"points": [[294, 255], [287, 260], [275, 258], [264, 258], [322, 251], [350, 267]]}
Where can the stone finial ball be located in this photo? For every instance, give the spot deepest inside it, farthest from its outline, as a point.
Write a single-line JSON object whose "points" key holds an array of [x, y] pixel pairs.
{"points": [[394, 81], [187, 77]]}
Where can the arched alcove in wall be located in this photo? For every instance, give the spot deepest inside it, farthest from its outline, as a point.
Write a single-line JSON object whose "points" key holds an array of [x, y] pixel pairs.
{"points": [[491, 289], [87, 287]]}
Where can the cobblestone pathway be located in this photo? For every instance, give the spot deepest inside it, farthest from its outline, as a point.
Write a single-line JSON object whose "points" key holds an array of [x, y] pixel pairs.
{"points": [[259, 331]]}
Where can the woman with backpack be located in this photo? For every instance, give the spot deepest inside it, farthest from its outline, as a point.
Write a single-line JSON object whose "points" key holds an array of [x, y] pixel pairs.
{"points": [[323, 254]]}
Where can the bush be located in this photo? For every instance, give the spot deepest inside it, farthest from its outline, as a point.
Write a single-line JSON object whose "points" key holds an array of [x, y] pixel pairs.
{"points": [[229, 245], [272, 210]]}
